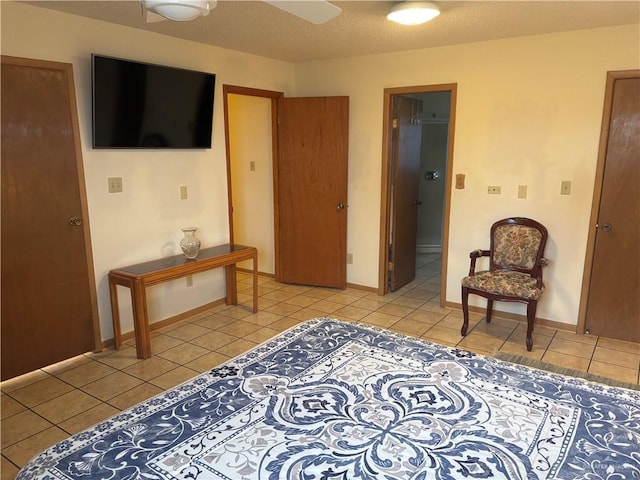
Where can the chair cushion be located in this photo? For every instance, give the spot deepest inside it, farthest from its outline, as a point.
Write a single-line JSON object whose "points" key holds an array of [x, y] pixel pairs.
{"points": [[506, 283], [516, 246]]}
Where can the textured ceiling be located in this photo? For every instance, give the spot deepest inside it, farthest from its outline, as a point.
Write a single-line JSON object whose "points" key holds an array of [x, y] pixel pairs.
{"points": [[361, 29]]}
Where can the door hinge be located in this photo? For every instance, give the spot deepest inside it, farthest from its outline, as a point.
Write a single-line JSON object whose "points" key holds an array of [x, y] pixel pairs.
{"points": [[394, 123], [390, 266]]}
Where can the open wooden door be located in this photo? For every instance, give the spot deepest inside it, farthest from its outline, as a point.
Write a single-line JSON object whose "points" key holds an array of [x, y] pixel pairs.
{"points": [[613, 306], [405, 161], [49, 310], [311, 191]]}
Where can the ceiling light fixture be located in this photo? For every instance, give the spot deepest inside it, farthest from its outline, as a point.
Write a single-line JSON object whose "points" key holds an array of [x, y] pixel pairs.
{"points": [[180, 10], [413, 13]]}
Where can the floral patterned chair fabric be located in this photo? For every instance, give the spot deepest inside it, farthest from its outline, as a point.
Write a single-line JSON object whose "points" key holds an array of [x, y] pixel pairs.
{"points": [[515, 269]]}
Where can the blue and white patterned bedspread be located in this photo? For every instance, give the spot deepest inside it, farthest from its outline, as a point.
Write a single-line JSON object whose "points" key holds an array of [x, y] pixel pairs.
{"points": [[329, 400]]}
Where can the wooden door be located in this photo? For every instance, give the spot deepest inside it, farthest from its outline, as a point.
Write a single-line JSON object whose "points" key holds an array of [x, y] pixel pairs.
{"points": [[48, 294], [311, 191], [405, 159], [613, 306]]}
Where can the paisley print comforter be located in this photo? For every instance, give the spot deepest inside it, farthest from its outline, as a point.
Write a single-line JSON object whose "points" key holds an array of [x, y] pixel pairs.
{"points": [[329, 400]]}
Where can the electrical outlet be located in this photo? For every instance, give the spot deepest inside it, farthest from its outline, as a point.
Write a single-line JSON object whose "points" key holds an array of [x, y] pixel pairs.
{"points": [[115, 184], [349, 258], [565, 187], [522, 191], [494, 189], [189, 279], [183, 192], [252, 166]]}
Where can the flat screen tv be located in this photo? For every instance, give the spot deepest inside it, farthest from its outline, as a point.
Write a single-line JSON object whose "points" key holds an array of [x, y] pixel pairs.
{"points": [[140, 105]]}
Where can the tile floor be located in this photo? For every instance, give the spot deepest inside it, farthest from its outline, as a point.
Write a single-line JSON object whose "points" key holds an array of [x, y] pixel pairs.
{"points": [[46, 406]]}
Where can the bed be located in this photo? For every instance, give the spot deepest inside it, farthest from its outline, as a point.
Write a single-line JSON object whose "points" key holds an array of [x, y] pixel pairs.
{"points": [[329, 400]]}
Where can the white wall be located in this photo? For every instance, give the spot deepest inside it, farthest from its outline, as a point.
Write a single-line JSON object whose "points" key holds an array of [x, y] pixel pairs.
{"points": [[529, 112], [144, 221]]}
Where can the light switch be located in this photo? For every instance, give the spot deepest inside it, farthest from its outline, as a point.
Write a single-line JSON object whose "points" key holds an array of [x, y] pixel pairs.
{"points": [[183, 192], [252, 166], [522, 191], [460, 181]]}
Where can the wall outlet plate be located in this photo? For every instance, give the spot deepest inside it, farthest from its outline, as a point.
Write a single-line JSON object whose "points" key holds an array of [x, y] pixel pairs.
{"points": [[522, 191], [115, 184], [565, 187]]}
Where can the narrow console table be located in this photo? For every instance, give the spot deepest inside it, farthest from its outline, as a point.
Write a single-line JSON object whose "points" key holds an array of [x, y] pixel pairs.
{"points": [[142, 275]]}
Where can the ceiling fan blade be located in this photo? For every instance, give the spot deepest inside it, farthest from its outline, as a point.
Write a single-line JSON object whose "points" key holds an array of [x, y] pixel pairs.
{"points": [[314, 11]]}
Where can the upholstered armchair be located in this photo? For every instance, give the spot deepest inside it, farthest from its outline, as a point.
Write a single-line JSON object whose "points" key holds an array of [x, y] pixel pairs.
{"points": [[515, 269]]}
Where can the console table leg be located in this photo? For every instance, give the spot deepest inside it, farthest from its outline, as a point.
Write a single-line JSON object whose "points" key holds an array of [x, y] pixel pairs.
{"points": [[232, 285], [115, 314], [255, 283], [140, 320]]}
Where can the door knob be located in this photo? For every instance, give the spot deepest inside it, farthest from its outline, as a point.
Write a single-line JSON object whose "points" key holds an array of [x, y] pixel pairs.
{"points": [[606, 227], [75, 221], [340, 206], [417, 202]]}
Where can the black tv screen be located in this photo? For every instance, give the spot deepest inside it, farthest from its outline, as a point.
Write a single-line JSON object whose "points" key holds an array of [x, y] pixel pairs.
{"points": [[140, 105]]}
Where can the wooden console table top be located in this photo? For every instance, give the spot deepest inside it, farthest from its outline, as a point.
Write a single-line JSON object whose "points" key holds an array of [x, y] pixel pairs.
{"points": [[141, 275]]}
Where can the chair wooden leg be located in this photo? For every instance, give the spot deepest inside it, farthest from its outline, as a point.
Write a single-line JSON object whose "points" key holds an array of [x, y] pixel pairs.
{"points": [[465, 311], [531, 315], [489, 309]]}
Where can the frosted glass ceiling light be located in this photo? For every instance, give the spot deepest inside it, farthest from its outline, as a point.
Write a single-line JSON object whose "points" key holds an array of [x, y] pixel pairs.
{"points": [[180, 10], [413, 13]]}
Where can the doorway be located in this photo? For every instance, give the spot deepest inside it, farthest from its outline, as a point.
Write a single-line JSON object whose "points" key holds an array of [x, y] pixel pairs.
{"points": [[428, 227]]}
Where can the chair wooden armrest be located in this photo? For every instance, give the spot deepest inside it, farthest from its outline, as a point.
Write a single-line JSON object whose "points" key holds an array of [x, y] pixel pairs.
{"points": [[474, 256]]}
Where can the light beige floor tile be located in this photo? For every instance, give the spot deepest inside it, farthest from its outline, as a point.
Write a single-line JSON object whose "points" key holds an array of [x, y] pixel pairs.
{"points": [[440, 334], [319, 293], [285, 323], [122, 358], [8, 470], [540, 342], [482, 343], [20, 426], [492, 330], [238, 312], [87, 419], [263, 318], [23, 451], [137, 394], [234, 349], [428, 318], [368, 303], [350, 312], [214, 322], [40, 392], [22, 381], [214, 339], [343, 298], [85, 373], [520, 348], [566, 361], [64, 365], [622, 374], [396, 309], [283, 309], [305, 314], [279, 295], [617, 357], [111, 385], [326, 306], [174, 377], [187, 331], [410, 327], [183, 353], [162, 343], [569, 347], [261, 335], [587, 339], [9, 407], [66, 406], [240, 328], [616, 344], [432, 306], [380, 319], [150, 368], [301, 300], [207, 362]]}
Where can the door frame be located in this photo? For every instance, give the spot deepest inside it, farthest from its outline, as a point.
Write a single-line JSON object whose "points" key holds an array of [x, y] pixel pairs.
{"points": [[612, 76], [274, 96], [385, 197]]}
